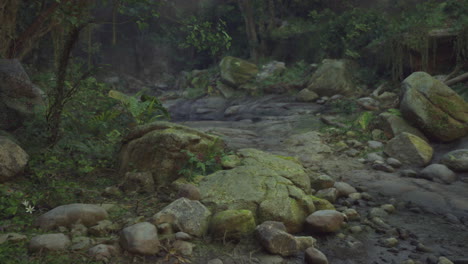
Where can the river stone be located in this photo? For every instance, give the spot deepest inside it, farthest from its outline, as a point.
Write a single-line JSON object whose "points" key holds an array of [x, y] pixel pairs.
{"points": [[434, 108], [67, 215], [306, 95], [51, 242], [141, 238], [315, 256], [237, 72], [189, 216], [273, 187], [103, 252], [329, 194], [392, 125], [233, 224], [333, 77], [321, 182], [189, 191], [321, 204], [409, 149], [13, 159], [438, 173], [324, 221], [276, 240], [158, 148], [456, 160], [344, 189]]}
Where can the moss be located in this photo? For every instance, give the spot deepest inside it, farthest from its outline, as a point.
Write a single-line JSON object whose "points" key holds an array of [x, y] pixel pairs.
{"points": [[321, 204]]}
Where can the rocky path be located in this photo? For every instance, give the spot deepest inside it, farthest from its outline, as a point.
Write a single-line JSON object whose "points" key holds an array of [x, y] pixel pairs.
{"points": [[431, 219]]}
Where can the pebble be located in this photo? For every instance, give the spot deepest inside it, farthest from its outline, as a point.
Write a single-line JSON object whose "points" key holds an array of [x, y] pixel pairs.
{"points": [[390, 242], [408, 173], [382, 166], [356, 229], [421, 247], [366, 196], [444, 260], [389, 208], [373, 144]]}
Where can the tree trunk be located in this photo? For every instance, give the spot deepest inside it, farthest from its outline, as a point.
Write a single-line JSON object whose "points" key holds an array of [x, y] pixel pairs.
{"points": [[250, 28], [460, 78]]}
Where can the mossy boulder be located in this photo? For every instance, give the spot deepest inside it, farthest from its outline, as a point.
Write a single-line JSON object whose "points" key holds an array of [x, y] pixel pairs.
{"points": [[13, 159], [233, 224], [334, 77], [321, 204], [158, 148], [237, 72], [409, 149], [392, 125], [272, 188], [434, 108]]}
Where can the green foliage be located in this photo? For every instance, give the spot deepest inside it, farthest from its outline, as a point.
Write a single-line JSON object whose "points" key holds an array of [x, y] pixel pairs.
{"points": [[293, 76], [206, 36], [394, 111], [344, 106], [365, 119], [346, 34]]}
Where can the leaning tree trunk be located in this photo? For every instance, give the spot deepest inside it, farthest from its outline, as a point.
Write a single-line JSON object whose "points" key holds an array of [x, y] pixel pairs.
{"points": [[250, 28]]}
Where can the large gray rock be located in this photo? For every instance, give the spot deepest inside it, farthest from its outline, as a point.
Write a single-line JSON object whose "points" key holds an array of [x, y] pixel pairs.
{"points": [[333, 77], [18, 96], [52, 242], [141, 238], [308, 147], [272, 187], [456, 160], [409, 149], [439, 173], [236, 71], [434, 108], [157, 148], [189, 216], [13, 159], [67, 215]]}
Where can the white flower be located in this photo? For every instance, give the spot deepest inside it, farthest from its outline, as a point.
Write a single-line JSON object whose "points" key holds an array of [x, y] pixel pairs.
{"points": [[30, 209], [25, 203]]}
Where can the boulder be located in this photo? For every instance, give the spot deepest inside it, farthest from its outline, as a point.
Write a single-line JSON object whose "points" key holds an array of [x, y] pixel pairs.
{"points": [[456, 160], [13, 159], [67, 215], [141, 238], [409, 149], [158, 148], [439, 173], [272, 187], [344, 189], [52, 242], [18, 96], [393, 125], [433, 107], [237, 72], [274, 238], [270, 69], [333, 77], [140, 182], [188, 216], [309, 148], [324, 221], [103, 252], [233, 224]]}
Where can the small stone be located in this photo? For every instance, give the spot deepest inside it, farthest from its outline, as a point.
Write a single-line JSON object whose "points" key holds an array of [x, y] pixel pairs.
{"points": [[344, 189], [103, 252], [165, 229], [394, 162], [305, 242], [374, 144], [389, 208], [141, 238], [439, 173], [13, 237], [315, 256], [371, 157], [78, 230], [79, 243], [377, 212], [444, 260], [423, 248], [390, 242], [352, 152], [382, 166], [356, 229], [377, 134], [51, 242], [351, 214], [183, 236], [329, 194], [112, 191], [273, 237], [183, 247], [322, 182], [366, 196], [355, 196]]}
